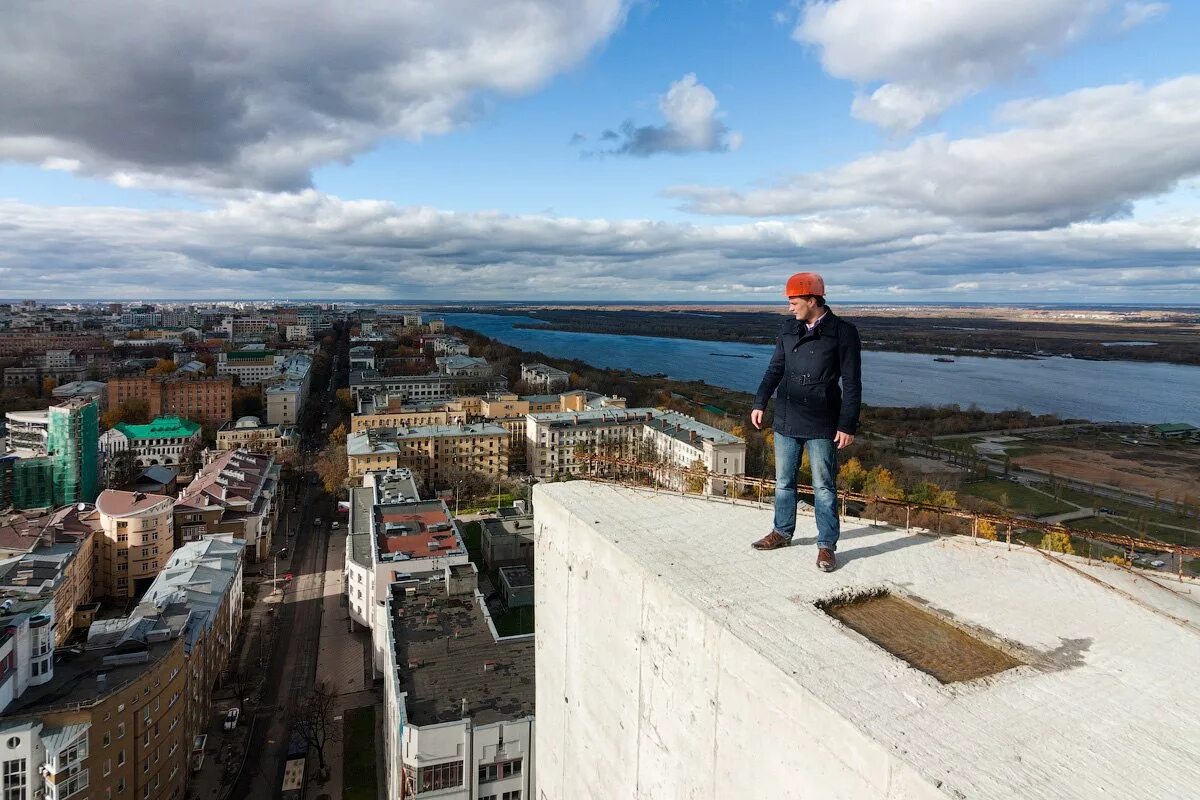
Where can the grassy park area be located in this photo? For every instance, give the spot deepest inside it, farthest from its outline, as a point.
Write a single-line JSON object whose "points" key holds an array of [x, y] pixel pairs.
{"points": [[358, 754], [1016, 497]]}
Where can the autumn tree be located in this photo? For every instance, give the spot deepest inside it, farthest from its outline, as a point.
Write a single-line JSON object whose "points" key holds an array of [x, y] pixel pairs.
{"points": [[852, 475], [345, 401], [1058, 541], [881, 484], [133, 411], [49, 384], [986, 530], [695, 477], [165, 366], [331, 466]]}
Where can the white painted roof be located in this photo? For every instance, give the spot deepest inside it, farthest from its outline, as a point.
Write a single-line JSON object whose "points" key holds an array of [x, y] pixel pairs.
{"points": [[1109, 711]]}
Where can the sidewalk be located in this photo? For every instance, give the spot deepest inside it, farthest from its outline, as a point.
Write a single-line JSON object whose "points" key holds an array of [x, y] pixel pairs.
{"points": [[343, 662]]}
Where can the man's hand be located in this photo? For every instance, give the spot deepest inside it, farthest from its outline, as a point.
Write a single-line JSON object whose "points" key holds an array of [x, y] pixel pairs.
{"points": [[843, 439], [756, 418]]}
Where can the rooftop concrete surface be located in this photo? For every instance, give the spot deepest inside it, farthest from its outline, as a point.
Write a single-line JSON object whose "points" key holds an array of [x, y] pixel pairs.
{"points": [[675, 661]]}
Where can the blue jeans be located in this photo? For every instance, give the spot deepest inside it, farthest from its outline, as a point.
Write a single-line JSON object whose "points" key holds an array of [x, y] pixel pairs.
{"points": [[822, 459]]}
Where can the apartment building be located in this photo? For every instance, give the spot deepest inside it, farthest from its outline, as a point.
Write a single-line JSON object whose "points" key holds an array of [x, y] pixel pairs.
{"points": [[250, 367], [558, 443], [410, 415], [236, 492], [119, 717], [18, 342], [445, 345], [438, 454], [180, 318], [236, 328], [362, 357], [424, 388], [458, 701], [392, 532], [286, 397], [463, 366], [164, 440], [58, 565], [206, 400], [136, 538], [297, 333], [52, 456], [252, 435], [546, 378]]}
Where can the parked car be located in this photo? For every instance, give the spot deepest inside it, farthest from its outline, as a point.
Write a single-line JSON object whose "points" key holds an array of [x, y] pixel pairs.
{"points": [[317, 522], [336, 525], [231, 719], [288, 576]]}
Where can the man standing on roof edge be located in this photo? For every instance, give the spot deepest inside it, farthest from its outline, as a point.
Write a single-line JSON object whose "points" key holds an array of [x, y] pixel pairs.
{"points": [[813, 352]]}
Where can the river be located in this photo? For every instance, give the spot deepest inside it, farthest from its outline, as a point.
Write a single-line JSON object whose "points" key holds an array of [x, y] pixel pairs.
{"points": [[1129, 391]]}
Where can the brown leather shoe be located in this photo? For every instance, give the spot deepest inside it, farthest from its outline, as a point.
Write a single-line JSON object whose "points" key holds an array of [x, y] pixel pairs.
{"points": [[825, 560], [772, 541]]}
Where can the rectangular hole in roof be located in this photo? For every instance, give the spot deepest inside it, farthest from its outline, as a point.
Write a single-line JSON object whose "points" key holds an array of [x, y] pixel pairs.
{"points": [[920, 638]]}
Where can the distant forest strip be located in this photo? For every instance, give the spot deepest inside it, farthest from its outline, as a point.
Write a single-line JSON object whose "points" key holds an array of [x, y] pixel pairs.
{"points": [[965, 336]]}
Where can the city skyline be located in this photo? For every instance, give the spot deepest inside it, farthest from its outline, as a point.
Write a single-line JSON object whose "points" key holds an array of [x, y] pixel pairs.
{"points": [[978, 152]]}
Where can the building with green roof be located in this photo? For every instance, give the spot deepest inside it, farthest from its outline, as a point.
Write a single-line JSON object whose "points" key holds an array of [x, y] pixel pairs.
{"points": [[1174, 430], [166, 441]]}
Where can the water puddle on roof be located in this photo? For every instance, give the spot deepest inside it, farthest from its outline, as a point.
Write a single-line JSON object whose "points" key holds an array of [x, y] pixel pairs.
{"points": [[925, 641]]}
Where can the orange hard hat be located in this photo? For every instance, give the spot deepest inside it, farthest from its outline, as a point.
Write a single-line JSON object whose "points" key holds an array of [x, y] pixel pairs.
{"points": [[803, 283]]}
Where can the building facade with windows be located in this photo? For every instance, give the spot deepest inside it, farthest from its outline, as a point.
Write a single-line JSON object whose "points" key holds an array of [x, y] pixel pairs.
{"points": [[544, 377], [250, 434], [58, 565], [286, 396], [425, 388], [559, 443], [250, 367], [437, 454], [196, 398], [119, 718], [137, 536], [165, 440], [235, 492]]}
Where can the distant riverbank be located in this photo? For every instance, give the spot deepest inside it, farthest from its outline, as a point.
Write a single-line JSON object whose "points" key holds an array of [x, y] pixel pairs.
{"points": [[1097, 390], [981, 335]]}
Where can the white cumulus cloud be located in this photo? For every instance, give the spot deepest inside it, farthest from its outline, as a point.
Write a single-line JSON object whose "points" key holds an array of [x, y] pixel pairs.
{"points": [[692, 124], [1084, 155], [923, 57]]}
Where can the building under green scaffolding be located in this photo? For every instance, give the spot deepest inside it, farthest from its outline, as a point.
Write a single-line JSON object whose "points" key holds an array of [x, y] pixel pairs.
{"points": [[67, 473], [74, 435]]}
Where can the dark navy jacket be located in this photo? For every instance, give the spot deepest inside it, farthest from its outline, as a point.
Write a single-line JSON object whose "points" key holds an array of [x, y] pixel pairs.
{"points": [[806, 368]]}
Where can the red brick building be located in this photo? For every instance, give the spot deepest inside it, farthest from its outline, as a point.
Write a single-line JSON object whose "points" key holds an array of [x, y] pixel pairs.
{"points": [[197, 399]]}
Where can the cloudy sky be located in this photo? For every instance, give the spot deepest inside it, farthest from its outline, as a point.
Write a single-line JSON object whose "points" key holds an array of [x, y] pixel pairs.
{"points": [[941, 150]]}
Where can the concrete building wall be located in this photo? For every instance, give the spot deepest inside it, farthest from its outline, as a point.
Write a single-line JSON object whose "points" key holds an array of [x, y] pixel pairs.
{"points": [[641, 695]]}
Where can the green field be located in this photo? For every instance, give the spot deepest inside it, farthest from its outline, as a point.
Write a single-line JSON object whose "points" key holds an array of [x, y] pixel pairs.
{"points": [[1154, 517], [1021, 499], [358, 754]]}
